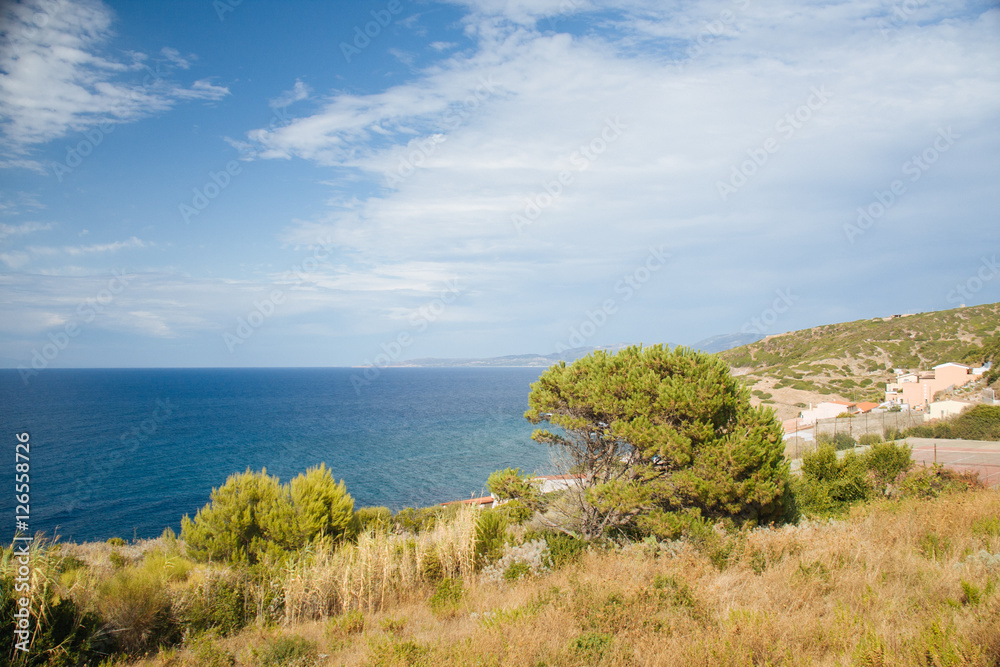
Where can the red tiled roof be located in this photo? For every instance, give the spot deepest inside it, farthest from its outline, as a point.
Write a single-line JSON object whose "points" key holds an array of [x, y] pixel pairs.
{"points": [[484, 500]]}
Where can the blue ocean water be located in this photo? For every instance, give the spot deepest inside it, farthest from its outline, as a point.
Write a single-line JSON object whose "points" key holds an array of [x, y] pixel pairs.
{"points": [[127, 452]]}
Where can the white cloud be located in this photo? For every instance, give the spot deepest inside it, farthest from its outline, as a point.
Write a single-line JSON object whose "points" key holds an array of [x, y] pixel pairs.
{"points": [[18, 259], [23, 229], [299, 92], [693, 103], [56, 81]]}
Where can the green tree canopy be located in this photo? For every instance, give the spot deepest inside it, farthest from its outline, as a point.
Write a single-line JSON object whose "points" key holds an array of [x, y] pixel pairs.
{"points": [[248, 516], [323, 506], [658, 434]]}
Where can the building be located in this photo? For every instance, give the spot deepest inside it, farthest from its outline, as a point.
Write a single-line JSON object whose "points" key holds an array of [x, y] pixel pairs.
{"points": [[825, 410], [794, 428], [918, 389], [944, 409]]}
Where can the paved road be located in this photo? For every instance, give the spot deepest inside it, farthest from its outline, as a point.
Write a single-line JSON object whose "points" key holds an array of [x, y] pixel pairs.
{"points": [[961, 455]]}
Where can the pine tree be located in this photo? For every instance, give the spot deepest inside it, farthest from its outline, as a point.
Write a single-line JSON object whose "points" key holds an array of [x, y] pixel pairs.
{"points": [[659, 436]]}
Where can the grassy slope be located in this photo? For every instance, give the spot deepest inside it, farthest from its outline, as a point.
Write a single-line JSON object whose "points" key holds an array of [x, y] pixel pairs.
{"points": [[851, 361], [897, 583]]}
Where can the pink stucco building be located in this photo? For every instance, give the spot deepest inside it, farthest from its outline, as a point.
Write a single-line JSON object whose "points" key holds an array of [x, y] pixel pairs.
{"points": [[918, 389]]}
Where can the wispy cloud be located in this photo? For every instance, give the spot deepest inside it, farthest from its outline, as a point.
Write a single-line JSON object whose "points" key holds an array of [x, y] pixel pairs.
{"points": [[690, 114], [298, 92], [23, 229], [19, 258], [56, 80]]}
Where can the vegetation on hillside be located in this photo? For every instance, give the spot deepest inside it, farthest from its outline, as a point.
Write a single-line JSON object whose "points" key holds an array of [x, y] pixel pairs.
{"points": [[908, 576], [860, 560], [853, 360]]}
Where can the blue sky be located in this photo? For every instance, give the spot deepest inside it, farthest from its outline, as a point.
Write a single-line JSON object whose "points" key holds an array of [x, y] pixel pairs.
{"points": [[319, 183]]}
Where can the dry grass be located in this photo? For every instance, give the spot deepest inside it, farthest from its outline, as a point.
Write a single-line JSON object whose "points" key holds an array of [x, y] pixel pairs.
{"points": [[898, 583], [380, 568]]}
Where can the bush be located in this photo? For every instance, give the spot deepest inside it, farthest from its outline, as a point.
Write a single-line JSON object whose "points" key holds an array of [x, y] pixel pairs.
{"points": [[221, 603], [869, 439], [519, 494], [248, 517], [840, 441], [447, 595], [491, 535], [372, 518], [417, 521], [289, 651], [63, 634], [516, 571], [137, 611], [210, 654], [886, 461], [323, 507], [562, 549]]}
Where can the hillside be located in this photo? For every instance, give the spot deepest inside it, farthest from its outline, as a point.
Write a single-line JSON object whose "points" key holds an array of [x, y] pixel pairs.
{"points": [[853, 360]]}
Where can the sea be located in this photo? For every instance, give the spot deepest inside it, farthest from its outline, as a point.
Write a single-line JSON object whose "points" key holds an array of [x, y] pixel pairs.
{"points": [[128, 452]]}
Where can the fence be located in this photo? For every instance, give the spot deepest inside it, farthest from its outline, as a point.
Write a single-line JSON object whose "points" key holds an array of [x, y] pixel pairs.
{"points": [[880, 423]]}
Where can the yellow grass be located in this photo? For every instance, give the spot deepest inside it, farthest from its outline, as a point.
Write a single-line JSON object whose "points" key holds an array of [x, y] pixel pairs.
{"points": [[897, 583]]}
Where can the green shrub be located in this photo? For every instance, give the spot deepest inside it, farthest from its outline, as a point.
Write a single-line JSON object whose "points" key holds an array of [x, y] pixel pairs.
{"points": [[416, 521], [840, 441], [591, 646], [116, 542], [250, 516], [562, 549], [323, 507], [63, 634], [210, 654], [887, 461], [516, 570], [348, 623], [986, 526], [137, 611], [289, 651], [372, 518], [117, 560], [934, 546], [491, 535], [869, 439], [447, 595], [221, 603]]}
